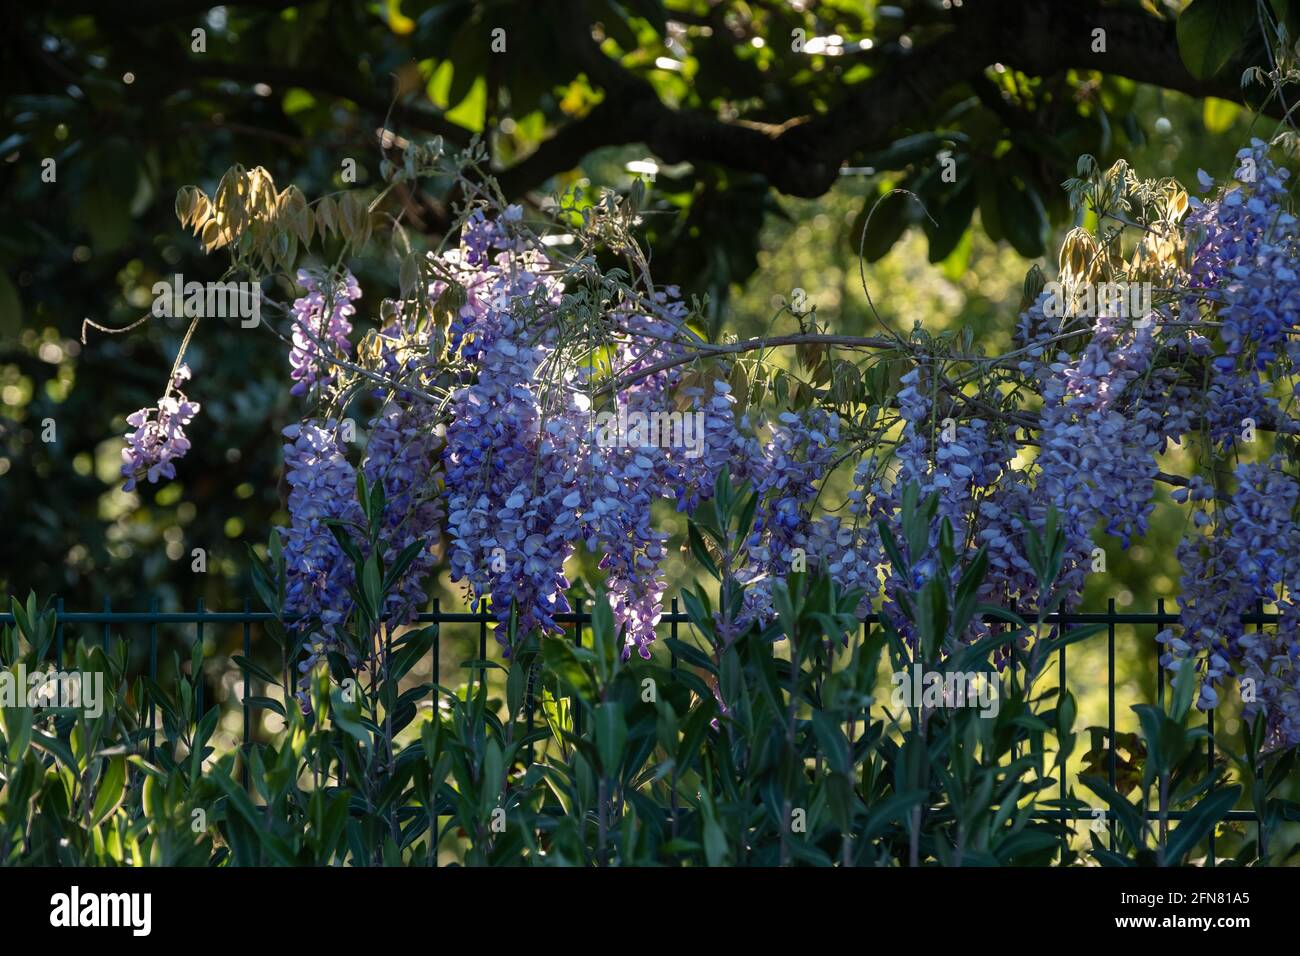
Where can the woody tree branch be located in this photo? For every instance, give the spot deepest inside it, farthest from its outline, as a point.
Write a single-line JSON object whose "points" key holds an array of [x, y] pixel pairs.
{"points": [[802, 156]]}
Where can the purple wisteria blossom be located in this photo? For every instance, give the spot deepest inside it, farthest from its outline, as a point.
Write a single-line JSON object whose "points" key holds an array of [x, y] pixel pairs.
{"points": [[1247, 556], [796, 457], [157, 438], [511, 492], [321, 317], [322, 488], [526, 476]]}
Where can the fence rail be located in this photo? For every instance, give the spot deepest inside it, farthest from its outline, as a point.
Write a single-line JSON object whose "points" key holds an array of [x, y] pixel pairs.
{"points": [[672, 619]]}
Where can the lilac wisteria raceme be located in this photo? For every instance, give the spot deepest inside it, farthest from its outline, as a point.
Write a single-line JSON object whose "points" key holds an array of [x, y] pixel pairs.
{"points": [[1243, 554], [788, 470], [400, 457], [318, 573], [964, 464], [1244, 262], [1098, 443], [1244, 272], [511, 489], [1243, 551], [321, 321], [635, 452], [157, 438]]}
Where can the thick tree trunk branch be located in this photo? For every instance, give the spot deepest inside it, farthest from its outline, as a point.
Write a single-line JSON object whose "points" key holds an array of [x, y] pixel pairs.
{"points": [[802, 156]]}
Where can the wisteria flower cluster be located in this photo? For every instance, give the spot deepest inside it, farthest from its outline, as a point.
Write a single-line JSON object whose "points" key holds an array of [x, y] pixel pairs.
{"points": [[157, 438], [321, 320], [400, 458], [506, 354], [323, 489]]}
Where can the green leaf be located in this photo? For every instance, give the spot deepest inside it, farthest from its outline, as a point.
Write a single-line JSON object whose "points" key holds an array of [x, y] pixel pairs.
{"points": [[372, 587], [834, 744], [1219, 115], [694, 730], [344, 537], [952, 217], [53, 745], [1184, 686], [516, 685], [1210, 32], [402, 562], [1199, 821], [1076, 633], [715, 838], [884, 220], [412, 649], [698, 609], [265, 703], [1128, 816], [1023, 217], [910, 149], [17, 724], [691, 654], [1026, 843], [346, 717], [493, 773], [701, 551], [560, 660], [746, 520], [891, 548], [111, 789], [237, 802], [611, 735], [604, 639], [255, 669]]}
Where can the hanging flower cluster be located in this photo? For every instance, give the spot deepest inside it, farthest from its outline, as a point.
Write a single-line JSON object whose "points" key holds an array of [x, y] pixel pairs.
{"points": [[401, 458], [321, 320], [574, 402], [157, 438], [322, 489]]}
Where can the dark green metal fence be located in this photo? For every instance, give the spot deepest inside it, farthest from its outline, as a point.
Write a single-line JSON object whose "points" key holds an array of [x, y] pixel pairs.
{"points": [[148, 623]]}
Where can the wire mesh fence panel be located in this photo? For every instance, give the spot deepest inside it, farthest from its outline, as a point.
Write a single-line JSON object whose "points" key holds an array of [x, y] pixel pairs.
{"points": [[475, 626]]}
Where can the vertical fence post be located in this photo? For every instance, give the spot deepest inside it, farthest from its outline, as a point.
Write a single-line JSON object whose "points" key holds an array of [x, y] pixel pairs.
{"points": [[437, 639], [1160, 674], [437, 697], [577, 640], [1011, 665], [198, 675], [1060, 695], [530, 704], [1209, 758], [1163, 833], [1261, 836], [672, 633], [248, 680], [482, 641], [1110, 705], [153, 673]]}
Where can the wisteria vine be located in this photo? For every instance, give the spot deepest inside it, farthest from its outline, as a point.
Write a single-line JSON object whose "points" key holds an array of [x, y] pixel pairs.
{"points": [[497, 373]]}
